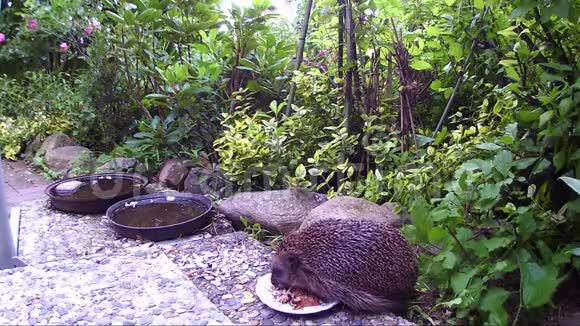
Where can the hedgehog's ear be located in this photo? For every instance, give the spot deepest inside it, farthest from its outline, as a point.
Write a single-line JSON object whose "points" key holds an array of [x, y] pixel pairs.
{"points": [[293, 262]]}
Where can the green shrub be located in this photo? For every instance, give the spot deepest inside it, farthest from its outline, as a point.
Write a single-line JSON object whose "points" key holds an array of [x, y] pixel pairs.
{"points": [[40, 104]]}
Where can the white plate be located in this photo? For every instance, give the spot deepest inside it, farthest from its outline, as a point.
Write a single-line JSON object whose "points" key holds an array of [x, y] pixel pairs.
{"points": [[264, 291]]}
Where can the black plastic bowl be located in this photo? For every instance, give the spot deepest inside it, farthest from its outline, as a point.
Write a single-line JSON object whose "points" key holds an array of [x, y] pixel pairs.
{"points": [[160, 216], [95, 192]]}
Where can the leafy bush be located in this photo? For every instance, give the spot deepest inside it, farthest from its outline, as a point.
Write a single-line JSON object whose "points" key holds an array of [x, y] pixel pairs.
{"points": [[40, 104], [50, 36]]}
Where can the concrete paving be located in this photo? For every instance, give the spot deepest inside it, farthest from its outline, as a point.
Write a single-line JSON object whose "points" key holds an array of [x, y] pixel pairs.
{"points": [[22, 183]]}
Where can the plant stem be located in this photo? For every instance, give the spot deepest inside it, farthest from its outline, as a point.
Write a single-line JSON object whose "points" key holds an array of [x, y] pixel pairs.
{"points": [[130, 80], [459, 79], [467, 256], [299, 53], [348, 99]]}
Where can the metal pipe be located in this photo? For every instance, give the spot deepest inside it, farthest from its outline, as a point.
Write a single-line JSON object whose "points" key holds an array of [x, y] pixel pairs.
{"points": [[8, 252]]}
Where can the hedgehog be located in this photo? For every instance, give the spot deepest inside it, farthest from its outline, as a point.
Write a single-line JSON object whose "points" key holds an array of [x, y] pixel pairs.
{"points": [[366, 265]]}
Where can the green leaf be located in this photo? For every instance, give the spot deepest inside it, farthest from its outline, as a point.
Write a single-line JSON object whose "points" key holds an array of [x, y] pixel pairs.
{"points": [[529, 116], [349, 171], [546, 117], [508, 32], [572, 183], [559, 160], [433, 31], [149, 15], [488, 146], [566, 106], [538, 284], [526, 225], [449, 260], [492, 302], [557, 66], [300, 171], [508, 62], [478, 4], [546, 77], [524, 163], [495, 243], [456, 50], [436, 84], [114, 16], [459, 281], [512, 73], [559, 8], [129, 17], [420, 65], [502, 162], [477, 164], [449, 2], [420, 218], [490, 191], [541, 167]]}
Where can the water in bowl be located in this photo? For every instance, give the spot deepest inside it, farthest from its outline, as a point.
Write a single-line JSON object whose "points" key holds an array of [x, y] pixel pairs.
{"points": [[99, 188], [157, 214]]}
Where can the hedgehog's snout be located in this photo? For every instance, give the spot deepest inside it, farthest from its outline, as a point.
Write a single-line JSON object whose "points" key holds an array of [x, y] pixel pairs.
{"points": [[276, 278]]}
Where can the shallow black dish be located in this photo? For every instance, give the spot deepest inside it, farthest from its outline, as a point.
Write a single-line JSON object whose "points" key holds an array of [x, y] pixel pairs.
{"points": [[161, 216], [94, 193]]}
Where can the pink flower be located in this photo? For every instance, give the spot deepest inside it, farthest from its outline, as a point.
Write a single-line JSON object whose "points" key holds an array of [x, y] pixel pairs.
{"points": [[96, 24], [2, 38], [63, 47], [89, 30], [32, 24]]}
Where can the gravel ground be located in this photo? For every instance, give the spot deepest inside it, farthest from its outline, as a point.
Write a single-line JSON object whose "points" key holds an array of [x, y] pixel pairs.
{"points": [[138, 285], [51, 235], [82, 272], [225, 268]]}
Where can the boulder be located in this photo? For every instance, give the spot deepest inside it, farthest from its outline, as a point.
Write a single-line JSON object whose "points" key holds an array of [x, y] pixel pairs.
{"points": [[119, 164], [174, 171], [278, 211], [59, 159], [55, 141], [157, 187], [204, 182], [351, 208]]}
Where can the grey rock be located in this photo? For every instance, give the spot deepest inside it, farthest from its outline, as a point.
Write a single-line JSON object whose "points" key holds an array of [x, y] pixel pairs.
{"points": [[351, 208], [174, 171], [267, 313], [157, 187], [204, 182], [267, 322], [145, 320], [60, 159], [120, 164], [233, 304], [279, 318], [55, 141], [278, 211]]}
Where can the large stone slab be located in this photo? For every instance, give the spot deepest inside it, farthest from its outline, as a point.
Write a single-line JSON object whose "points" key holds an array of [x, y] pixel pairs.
{"points": [[351, 208], [137, 285], [62, 158], [278, 211], [55, 141]]}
